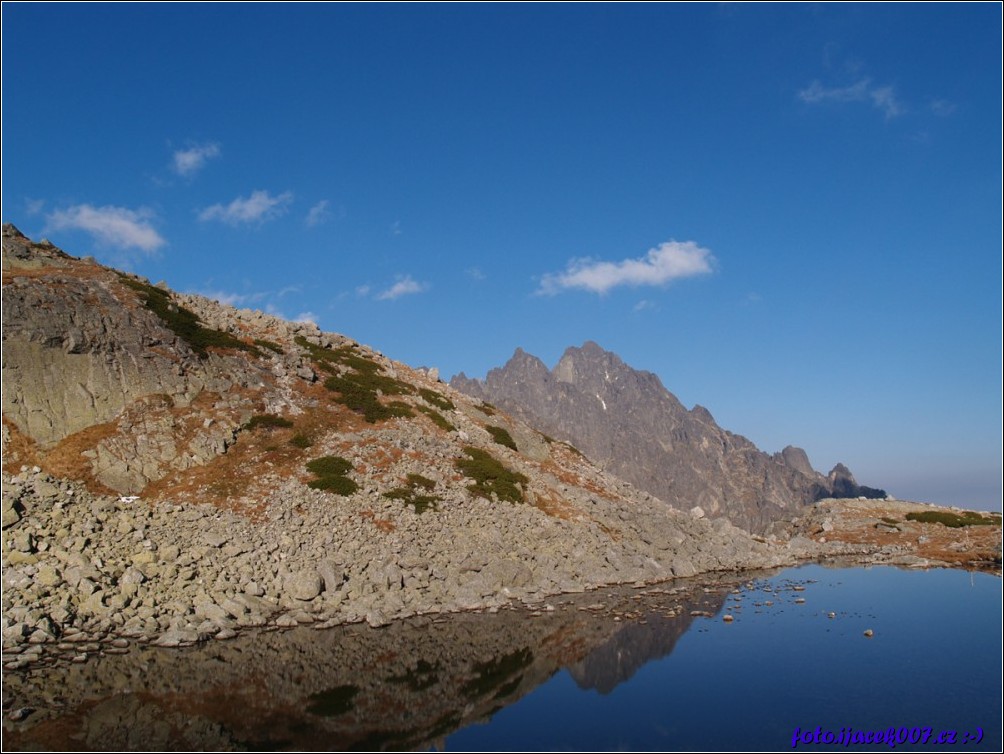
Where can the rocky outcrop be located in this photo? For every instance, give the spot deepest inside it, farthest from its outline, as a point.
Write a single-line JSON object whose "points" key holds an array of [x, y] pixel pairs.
{"points": [[205, 422], [625, 420]]}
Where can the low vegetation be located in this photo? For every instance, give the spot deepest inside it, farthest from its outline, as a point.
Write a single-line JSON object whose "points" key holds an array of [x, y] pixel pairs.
{"points": [[954, 520], [330, 474], [437, 418], [274, 347], [438, 400], [488, 408], [502, 437], [183, 322], [301, 440], [361, 384], [268, 421], [414, 491], [490, 477]]}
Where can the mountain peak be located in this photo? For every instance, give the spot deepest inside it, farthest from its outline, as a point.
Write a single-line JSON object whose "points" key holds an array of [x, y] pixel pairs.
{"points": [[627, 421]]}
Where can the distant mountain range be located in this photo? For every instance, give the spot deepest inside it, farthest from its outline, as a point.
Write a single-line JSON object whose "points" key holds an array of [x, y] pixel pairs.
{"points": [[626, 421]]}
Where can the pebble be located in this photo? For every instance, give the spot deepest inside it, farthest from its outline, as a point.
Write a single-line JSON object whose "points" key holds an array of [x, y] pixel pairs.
{"points": [[869, 633]]}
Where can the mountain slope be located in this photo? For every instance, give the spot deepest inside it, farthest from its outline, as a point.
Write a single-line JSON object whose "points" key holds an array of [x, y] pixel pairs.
{"points": [[631, 425], [175, 468]]}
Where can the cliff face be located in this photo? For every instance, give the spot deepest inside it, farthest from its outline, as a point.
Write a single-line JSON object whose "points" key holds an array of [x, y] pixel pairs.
{"points": [[625, 420], [97, 380]]}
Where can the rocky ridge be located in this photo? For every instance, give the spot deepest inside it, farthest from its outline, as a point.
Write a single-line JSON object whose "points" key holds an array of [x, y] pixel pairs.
{"points": [[625, 420], [132, 416]]}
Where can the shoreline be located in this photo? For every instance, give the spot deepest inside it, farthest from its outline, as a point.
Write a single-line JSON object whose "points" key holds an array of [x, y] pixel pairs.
{"points": [[169, 575]]}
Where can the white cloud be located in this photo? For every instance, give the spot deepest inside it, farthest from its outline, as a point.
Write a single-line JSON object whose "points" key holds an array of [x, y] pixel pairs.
{"points": [[34, 206], [667, 262], [884, 98], [257, 208], [318, 214], [116, 226], [188, 162], [306, 317], [404, 286], [643, 305], [475, 273], [881, 97], [363, 290]]}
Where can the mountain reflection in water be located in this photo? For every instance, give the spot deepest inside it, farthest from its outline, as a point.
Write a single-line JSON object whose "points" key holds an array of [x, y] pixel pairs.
{"points": [[404, 686], [643, 669]]}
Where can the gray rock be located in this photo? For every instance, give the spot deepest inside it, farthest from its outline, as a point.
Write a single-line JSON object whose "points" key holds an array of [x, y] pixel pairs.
{"points": [[11, 515], [303, 585]]}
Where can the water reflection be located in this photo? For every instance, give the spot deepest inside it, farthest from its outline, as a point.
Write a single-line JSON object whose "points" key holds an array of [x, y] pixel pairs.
{"points": [[405, 686]]}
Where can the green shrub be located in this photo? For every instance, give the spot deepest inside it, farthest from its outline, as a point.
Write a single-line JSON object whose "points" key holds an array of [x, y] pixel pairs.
{"points": [[502, 436], [488, 408], [343, 355], [183, 322], [410, 493], [270, 421], [417, 480], [330, 466], [438, 400], [340, 485], [491, 477], [952, 519], [437, 418], [330, 472], [274, 347]]}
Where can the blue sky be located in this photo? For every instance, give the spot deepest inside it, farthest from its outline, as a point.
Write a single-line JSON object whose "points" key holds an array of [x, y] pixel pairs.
{"points": [[790, 213]]}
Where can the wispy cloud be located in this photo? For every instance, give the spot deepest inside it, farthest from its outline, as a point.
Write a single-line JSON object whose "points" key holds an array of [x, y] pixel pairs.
{"points": [[119, 227], [318, 214], [665, 263], [404, 286], [188, 162], [257, 208], [395, 229], [475, 273], [883, 98], [942, 107]]}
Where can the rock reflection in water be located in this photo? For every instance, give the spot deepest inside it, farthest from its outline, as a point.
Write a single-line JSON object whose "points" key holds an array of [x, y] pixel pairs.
{"points": [[407, 685]]}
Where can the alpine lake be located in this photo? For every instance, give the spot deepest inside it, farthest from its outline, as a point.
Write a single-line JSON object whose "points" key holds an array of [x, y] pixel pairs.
{"points": [[783, 660]]}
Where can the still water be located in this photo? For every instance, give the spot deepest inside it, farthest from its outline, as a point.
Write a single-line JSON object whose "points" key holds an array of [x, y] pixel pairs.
{"points": [[655, 668]]}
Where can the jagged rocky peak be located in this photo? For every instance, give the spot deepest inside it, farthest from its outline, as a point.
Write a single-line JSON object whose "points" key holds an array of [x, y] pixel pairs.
{"points": [[798, 459], [628, 422], [522, 366]]}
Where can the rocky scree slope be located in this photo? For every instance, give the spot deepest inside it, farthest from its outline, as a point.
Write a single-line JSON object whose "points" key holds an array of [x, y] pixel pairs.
{"points": [[176, 469], [626, 421]]}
